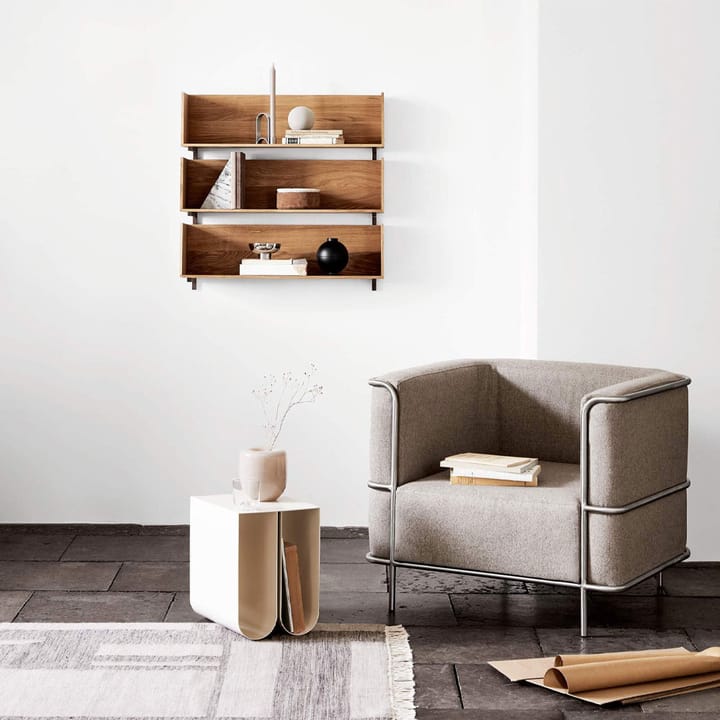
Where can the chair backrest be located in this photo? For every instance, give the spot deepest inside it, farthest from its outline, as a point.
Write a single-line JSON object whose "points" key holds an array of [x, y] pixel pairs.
{"points": [[538, 404]]}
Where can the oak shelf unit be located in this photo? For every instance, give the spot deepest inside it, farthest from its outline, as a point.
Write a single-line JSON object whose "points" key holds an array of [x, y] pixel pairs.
{"points": [[346, 186]]}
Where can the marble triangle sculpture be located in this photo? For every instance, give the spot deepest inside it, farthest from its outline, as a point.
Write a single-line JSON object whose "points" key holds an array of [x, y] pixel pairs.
{"points": [[227, 192]]}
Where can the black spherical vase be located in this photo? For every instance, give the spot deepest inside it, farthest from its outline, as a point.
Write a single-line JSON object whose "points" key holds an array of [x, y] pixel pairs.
{"points": [[332, 257]]}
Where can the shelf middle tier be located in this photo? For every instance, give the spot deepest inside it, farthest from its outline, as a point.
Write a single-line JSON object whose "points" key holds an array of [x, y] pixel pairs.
{"points": [[345, 185]]}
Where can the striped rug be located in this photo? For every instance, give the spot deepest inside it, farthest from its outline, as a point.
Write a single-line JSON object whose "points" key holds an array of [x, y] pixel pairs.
{"points": [[201, 670]]}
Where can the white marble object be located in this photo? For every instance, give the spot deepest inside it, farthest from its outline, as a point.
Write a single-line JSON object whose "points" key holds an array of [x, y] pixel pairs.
{"points": [[222, 193]]}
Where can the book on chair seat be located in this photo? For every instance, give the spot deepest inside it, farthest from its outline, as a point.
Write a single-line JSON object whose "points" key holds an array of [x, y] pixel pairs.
{"points": [[484, 469], [498, 463], [528, 479]]}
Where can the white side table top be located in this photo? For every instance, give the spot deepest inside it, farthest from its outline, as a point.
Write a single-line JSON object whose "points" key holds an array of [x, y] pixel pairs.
{"points": [[285, 504]]}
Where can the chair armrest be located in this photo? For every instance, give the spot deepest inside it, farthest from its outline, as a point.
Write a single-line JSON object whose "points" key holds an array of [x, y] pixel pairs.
{"points": [[637, 433], [442, 409]]}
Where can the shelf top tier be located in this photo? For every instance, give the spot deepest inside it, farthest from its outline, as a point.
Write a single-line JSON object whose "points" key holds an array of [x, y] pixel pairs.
{"points": [[229, 120]]}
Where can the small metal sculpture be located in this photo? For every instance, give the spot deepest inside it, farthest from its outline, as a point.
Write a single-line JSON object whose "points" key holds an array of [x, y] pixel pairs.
{"points": [[264, 249]]}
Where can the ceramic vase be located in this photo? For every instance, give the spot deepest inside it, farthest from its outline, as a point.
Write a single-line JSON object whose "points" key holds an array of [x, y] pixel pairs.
{"points": [[267, 467]]}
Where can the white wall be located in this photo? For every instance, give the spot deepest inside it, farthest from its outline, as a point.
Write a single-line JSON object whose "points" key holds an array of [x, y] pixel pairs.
{"points": [[122, 391], [629, 231]]}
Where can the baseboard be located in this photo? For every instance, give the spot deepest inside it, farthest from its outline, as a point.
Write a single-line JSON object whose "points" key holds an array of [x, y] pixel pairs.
{"points": [[130, 529]]}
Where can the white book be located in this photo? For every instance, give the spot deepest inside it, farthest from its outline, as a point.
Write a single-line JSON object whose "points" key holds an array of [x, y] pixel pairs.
{"points": [[274, 261], [466, 471], [313, 132], [278, 269], [506, 463], [313, 140]]}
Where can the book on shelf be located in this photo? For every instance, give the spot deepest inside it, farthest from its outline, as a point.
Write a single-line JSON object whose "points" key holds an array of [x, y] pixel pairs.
{"points": [[498, 463], [313, 140], [295, 266], [527, 479], [304, 133], [228, 190], [292, 588], [274, 261]]}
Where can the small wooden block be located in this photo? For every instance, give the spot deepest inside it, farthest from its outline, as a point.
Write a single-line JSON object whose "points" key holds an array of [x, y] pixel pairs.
{"points": [[298, 198]]}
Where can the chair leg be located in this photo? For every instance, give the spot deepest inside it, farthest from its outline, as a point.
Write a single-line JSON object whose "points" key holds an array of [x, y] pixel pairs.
{"points": [[583, 613], [392, 577]]}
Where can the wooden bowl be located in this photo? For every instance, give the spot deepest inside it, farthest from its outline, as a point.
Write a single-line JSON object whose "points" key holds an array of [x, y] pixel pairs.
{"points": [[298, 198]]}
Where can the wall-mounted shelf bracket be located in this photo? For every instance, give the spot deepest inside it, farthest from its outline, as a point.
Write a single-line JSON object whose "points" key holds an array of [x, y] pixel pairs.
{"points": [[193, 282], [373, 284]]}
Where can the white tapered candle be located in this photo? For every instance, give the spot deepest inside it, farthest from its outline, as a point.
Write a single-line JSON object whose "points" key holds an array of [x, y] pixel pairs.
{"points": [[271, 129]]}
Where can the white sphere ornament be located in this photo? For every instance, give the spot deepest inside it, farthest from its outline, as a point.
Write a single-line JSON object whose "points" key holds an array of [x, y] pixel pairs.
{"points": [[301, 118]]}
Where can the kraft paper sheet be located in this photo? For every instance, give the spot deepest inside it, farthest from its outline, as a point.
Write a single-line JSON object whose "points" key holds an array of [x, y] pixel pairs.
{"points": [[619, 677]]}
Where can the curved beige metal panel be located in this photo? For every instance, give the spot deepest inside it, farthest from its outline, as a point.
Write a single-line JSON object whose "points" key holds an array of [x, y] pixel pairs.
{"points": [[257, 574], [302, 528]]}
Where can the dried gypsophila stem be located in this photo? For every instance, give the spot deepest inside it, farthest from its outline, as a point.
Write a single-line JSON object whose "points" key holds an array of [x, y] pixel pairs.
{"points": [[278, 397]]}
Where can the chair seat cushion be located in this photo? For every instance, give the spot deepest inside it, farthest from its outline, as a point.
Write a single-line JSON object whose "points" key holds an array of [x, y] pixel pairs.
{"points": [[526, 531]]}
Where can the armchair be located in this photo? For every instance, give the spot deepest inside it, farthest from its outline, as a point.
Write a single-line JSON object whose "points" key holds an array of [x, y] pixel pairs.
{"points": [[610, 509]]}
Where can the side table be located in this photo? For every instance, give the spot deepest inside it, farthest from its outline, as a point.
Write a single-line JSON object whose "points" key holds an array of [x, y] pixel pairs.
{"points": [[236, 562]]}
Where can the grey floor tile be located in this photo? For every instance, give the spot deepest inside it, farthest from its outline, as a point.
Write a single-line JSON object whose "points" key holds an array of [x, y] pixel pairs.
{"points": [[165, 576], [96, 607], [693, 581], [555, 641], [627, 712], [33, 546], [343, 533], [179, 530], [10, 603], [516, 610], [343, 550], [706, 701], [411, 580], [484, 688], [128, 547], [57, 575], [352, 577], [436, 687], [471, 645], [489, 715], [703, 638], [648, 587], [70, 529], [656, 612], [180, 610], [411, 608]]}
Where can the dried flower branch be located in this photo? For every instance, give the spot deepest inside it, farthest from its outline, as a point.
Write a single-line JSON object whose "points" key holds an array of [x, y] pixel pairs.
{"points": [[278, 398]]}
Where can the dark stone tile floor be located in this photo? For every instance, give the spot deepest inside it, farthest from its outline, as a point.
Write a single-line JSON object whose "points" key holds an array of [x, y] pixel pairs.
{"points": [[107, 573]]}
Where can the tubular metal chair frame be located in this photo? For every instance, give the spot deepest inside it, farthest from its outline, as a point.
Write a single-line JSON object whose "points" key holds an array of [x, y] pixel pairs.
{"points": [[585, 510]]}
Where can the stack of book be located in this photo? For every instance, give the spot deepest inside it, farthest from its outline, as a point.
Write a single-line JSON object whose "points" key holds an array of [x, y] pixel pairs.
{"points": [[280, 266], [483, 469], [313, 137]]}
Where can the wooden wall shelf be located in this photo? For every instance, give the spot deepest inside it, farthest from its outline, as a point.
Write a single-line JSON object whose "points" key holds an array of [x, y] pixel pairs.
{"points": [[229, 120], [345, 185], [216, 250]]}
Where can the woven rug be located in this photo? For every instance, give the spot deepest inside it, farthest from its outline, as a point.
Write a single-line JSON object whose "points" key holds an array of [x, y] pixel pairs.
{"points": [[201, 670]]}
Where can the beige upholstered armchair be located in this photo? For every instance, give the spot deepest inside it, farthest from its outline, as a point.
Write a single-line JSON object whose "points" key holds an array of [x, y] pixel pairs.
{"points": [[610, 509]]}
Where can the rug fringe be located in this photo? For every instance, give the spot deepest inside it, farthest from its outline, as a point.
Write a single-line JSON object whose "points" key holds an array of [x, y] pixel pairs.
{"points": [[400, 671]]}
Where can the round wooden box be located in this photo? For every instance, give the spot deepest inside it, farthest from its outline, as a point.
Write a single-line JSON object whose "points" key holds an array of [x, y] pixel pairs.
{"points": [[298, 198]]}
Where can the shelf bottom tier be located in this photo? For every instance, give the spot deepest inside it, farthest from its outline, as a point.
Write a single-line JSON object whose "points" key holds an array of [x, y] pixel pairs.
{"points": [[217, 250]]}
